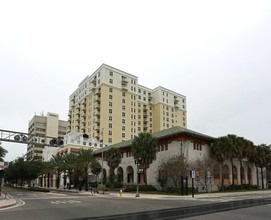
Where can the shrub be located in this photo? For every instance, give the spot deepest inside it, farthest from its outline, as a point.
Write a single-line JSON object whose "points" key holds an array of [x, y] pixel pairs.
{"points": [[178, 190], [140, 188], [39, 189]]}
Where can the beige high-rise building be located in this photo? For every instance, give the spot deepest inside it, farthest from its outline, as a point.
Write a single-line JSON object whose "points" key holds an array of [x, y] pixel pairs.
{"points": [[111, 106], [50, 126]]}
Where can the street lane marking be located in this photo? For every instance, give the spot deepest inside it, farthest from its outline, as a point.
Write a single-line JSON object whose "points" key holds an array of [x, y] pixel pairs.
{"points": [[65, 202]]}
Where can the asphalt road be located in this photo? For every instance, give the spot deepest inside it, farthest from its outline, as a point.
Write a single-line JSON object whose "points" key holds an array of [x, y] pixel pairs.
{"points": [[79, 206]]}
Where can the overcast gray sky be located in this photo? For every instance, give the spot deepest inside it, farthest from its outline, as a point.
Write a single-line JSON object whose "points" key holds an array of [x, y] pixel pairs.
{"points": [[216, 53]]}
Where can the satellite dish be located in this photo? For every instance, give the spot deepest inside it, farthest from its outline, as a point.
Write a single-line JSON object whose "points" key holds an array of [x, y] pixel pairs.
{"points": [[17, 137]]}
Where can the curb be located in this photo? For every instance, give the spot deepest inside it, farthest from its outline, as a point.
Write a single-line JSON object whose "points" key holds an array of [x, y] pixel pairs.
{"points": [[7, 202]]}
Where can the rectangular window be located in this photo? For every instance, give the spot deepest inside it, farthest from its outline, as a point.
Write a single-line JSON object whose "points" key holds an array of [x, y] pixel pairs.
{"points": [[110, 104], [123, 107], [139, 128], [110, 90], [110, 97], [109, 132], [123, 121], [110, 111], [111, 73], [123, 100], [109, 140], [123, 114], [123, 128], [123, 94], [123, 135], [139, 90], [110, 125], [110, 118], [139, 110], [111, 81], [139, 116]]}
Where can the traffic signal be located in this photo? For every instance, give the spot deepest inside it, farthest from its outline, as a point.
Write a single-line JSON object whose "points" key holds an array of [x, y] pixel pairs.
{"points": [[56, 141]]}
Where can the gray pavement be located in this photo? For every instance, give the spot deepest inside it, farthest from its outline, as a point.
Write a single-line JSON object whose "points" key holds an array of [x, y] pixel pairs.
{"points": [[60, 204]]}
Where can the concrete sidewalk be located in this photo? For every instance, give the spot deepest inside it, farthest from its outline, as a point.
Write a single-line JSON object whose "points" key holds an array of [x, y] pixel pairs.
{"points": [[6, 201]]}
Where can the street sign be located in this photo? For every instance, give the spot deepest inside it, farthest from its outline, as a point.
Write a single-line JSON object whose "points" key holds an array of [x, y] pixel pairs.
{"points": [[193, 174]]}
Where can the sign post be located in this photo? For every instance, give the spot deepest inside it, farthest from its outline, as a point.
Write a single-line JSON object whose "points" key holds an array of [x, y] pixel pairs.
{"points": [[193, 175]]}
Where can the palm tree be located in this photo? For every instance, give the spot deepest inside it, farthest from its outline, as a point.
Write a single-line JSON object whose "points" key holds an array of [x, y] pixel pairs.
{"points": [[3, 153], [218, 152], [47, 169], [113, 158], [69, 165], [263, 159], [85, 157], [240, 154], [144, 147], [230, 144], [251, 156], [58, 166]]}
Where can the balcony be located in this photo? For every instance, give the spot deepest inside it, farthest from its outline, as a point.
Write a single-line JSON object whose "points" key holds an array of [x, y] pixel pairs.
{"points": [[94, 87], [97, 128], [176, 100], [77, 119], [176, 105], [83, 114], [84, 102], [83, 130], [94, 80], [83, 121], [97, 113], [146, 120], [96, 120], [70, 113], [83, 109], [149, 96], [97, 106], [97, 99], [124, 80], [145, 114], [145, 125], [77, 112], [124, 87], [98, 92], [97, 135], [78, 107], [145, 108], [150, 101]]}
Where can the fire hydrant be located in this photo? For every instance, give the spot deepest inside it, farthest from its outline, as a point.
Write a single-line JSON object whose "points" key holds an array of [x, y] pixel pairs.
{"points": [[121, 193]]}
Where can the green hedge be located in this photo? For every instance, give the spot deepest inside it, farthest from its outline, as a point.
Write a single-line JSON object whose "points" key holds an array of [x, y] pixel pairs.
{"points": [[141, 188], [238, 187], [178, 190], [39, 189]]}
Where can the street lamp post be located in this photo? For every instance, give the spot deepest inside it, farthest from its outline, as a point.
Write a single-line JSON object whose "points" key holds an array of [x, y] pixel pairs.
{"points": [[137, 162]]}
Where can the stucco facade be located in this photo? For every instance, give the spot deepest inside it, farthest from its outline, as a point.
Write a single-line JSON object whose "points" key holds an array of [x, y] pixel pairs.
{"points": [[177, 141]]}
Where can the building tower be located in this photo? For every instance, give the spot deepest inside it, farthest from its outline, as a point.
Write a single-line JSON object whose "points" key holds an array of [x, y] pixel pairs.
{"points": [[111, 106], [48, 125]]}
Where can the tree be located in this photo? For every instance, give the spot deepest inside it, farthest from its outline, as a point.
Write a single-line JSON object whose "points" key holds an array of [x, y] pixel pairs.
{"points": [[3, 153], [263, 159], [85, 157], [58, 166], [219, 153], [175, 167], [113, 158], [144, 147], [205, 165], [96, 168], [70, 161]]}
